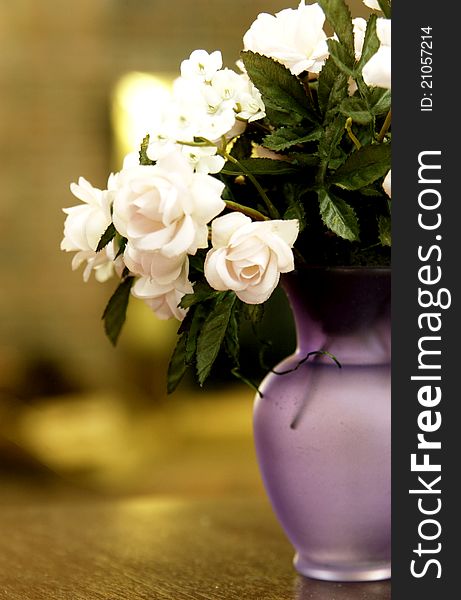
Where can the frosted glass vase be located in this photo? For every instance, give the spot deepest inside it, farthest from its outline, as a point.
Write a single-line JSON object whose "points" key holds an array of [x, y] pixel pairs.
{"points": [[323, 432]]}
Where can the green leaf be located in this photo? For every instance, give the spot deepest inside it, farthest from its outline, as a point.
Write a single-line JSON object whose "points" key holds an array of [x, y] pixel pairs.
{"points": [[331, 138], [114, 314], [196, 262], [371, 191], [301, 159], [385, 6], [379, 101], [177, 366], [295, 210], [342, 57], [363, 167], [339, 16], [371, 43], [200, 313], [144, 160], [286, 137], [202, 292], [121, 242], [212, 335], [385, 232], [260, 166], [332, 88], [231, 340], [106, 237], [357, 109], [281, 91], [338, 216]]}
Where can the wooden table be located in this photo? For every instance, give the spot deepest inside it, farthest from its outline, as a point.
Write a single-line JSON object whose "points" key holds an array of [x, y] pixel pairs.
{"points": [[156, 548]]}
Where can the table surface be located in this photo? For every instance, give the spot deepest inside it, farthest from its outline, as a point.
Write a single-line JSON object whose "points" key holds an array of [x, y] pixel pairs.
{"points": [[156, 548]]}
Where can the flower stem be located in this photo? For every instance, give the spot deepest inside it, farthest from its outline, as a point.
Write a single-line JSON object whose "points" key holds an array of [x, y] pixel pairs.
{"points": [[273, 212], [350, 133], [246, 210], [385, 127], [308, 91]]}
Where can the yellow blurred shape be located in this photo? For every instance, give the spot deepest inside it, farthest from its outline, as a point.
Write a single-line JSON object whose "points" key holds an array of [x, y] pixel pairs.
{"points": [[137, 108]]}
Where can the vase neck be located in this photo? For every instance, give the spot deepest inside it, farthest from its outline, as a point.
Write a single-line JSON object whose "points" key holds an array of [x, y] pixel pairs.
{"points": [[345, 312]]}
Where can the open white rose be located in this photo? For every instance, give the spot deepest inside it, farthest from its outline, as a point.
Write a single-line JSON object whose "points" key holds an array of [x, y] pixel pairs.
{"points": [[163, 298], [293, 37], [166, 207], [86, 222], [84, 225], [248, 257], [377, 71]]}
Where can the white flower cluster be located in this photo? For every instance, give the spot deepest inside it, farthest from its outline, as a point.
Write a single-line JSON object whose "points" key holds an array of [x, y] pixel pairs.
{"points": [[163, 212], [207, 102]]}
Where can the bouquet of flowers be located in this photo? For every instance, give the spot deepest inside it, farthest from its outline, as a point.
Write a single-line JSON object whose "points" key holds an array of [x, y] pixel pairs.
{"points": [[250, 174]]}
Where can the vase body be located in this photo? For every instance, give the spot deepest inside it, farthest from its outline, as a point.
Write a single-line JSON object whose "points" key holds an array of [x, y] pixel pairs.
{"points": [[323, 432]]}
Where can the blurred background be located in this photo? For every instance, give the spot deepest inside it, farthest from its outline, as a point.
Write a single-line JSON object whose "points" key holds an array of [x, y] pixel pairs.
{"points": [[78, 417]]}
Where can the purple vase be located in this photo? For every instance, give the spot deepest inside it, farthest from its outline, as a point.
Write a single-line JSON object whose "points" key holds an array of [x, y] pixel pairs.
{"points": [[323, 432]]}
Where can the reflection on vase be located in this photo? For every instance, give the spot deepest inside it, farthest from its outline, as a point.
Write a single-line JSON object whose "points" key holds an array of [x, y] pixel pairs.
{"points": [[322, 431]]}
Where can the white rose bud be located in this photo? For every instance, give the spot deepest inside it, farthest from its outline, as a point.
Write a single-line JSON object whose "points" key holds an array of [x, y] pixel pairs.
{"points": [[166, 207], [248, 257], [293, 37], [373, 4], [387, 186]]}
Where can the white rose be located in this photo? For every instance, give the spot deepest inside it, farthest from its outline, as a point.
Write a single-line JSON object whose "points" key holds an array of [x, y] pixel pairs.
{"points": [[377, 71], [163, 298], [387, 184], [166, 207], [293, 37], [84, 225], [155, 265], [248, 257]]}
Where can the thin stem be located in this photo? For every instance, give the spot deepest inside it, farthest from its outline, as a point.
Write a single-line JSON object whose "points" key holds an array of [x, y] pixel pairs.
{"points": [[350, 133], [201, 144], [273, 212], [246, 210], [308, 91], [385, 127]]}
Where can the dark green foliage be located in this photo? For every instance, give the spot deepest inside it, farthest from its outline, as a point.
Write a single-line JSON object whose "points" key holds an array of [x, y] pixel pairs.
{"points": [[114, 314]]}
